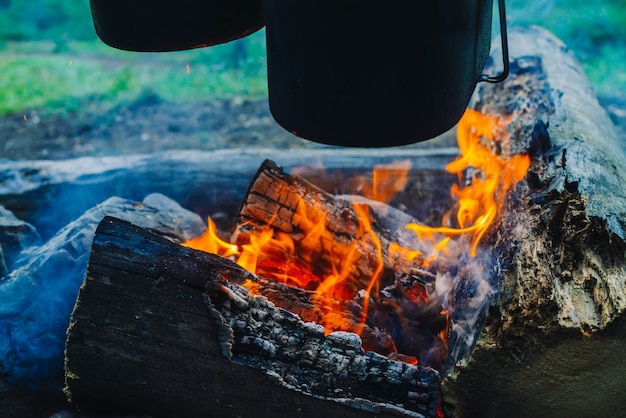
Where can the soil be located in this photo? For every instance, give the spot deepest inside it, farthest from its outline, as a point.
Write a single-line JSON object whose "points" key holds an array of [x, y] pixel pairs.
{"points": [[150, 124]]}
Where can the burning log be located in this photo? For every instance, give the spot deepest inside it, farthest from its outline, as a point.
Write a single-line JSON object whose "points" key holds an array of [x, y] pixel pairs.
{"points": [[353, 259], [549, 346], [319, 224], [163, 329], [551, 299]]}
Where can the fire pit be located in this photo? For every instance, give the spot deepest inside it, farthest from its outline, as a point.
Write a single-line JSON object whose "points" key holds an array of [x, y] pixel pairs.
{"points": [[347, 265], [394, 313]]}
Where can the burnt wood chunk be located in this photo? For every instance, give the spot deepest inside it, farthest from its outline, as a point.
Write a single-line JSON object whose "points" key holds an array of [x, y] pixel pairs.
{"points": [[549, 345], [166, 330], [291, 205], [379, 286]]}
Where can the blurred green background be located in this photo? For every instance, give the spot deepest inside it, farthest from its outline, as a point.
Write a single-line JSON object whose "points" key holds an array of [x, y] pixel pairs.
{"points": [[50, 57]]}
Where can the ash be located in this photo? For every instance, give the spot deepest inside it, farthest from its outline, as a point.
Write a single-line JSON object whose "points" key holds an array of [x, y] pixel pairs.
{"points": [[297, 355]]}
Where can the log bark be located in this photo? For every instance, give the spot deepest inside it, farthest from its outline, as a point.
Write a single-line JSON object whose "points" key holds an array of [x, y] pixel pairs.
{"points": [[166, 330], [204, 182], [553, 333]]}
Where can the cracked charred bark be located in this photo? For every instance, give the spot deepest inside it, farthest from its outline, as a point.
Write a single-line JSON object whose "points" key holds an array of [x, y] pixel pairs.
{"points": [[166, 330], [551, 345]]}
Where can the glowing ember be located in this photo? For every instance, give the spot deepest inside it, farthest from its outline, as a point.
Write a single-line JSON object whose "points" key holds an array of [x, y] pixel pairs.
{"points": [[349, 266]]}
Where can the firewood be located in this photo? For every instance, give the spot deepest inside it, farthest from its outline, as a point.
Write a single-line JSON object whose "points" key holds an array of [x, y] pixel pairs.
{"points": [[384, 287], [290, 205], [549, 346], [375, 333], [162, 329]]}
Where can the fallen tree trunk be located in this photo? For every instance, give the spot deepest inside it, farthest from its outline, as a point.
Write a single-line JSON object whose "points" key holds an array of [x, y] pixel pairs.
{"points": [[552, 337], [163, 329]]}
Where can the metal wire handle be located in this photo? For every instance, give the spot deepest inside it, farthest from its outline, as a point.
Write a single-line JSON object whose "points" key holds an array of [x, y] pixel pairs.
{"points": [[505, 49]]}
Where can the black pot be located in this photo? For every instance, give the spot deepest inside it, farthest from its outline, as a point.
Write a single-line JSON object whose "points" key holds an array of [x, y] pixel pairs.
{"points": [[366, 73], [167, 25]]}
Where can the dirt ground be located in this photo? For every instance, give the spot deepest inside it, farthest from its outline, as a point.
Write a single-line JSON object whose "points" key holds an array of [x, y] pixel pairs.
{"points": [[147, 125], [151, 124]]}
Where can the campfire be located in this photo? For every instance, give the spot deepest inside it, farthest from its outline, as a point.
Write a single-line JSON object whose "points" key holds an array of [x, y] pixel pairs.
{"points": [[484, 280], [363, 277], [370, 268]]}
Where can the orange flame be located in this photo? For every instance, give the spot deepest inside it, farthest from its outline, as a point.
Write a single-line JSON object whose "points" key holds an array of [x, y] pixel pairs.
{"points": [[480, 200], [485, 178], [210, 242], [386, 182], [362, 212]]}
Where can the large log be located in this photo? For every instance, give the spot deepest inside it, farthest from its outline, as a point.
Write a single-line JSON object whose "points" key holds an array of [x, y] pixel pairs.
{"points": [[204, 182], [554, 335], [163, 329]]}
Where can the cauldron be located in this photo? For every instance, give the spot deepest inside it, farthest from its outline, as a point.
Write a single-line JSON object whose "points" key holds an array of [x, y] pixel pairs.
{"points": [[366, 73], [166, 25]]}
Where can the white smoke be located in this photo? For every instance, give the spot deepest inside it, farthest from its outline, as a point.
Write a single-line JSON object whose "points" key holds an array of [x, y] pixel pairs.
{"points": [[473, 294]]}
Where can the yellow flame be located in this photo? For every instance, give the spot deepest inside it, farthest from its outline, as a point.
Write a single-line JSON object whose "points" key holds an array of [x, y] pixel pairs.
{"points": [[277, 256], [479, 202], [210, 242]]}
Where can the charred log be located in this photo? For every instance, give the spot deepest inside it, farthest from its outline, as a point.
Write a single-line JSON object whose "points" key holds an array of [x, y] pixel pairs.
{"points": [[289, 204], [166, 330], [379, 285], [560, 252]]}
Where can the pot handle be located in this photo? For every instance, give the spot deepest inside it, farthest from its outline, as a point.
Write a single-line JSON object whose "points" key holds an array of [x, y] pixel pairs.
{"points": [[505, 49]]}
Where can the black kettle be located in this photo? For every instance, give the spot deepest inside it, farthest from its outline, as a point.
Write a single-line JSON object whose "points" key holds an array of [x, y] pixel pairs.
{"points": [[365, 73], [167, 25]]}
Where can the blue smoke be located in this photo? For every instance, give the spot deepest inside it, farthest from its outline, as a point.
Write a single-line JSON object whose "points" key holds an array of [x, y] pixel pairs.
{"points": [[36, 303], [37, 297]]}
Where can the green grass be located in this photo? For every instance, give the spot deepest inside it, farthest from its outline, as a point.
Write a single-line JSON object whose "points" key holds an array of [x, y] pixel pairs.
{"points": [[38, 42], [595, 31], [37, 75]]}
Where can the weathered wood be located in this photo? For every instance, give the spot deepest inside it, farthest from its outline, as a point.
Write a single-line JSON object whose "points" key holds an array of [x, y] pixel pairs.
{"points": [[204, 182], [291, 205], [165, 330], [39, 294], [550, 344]]}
